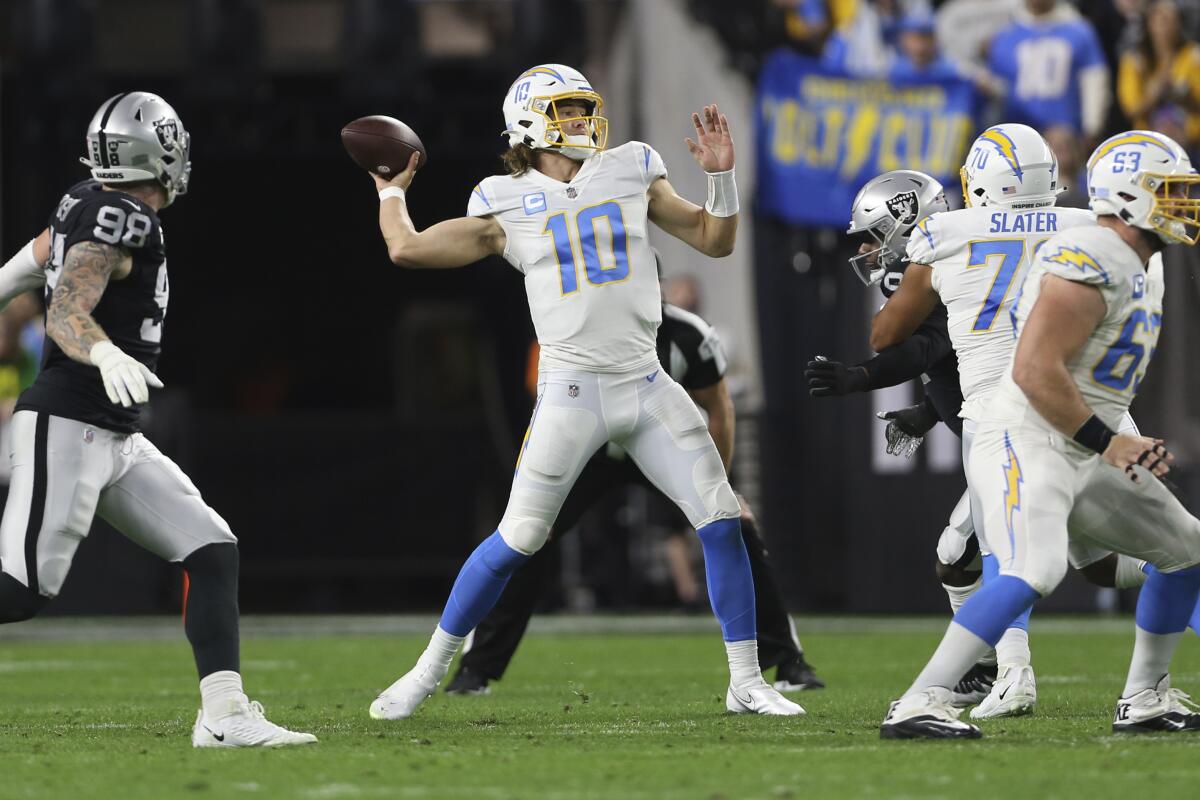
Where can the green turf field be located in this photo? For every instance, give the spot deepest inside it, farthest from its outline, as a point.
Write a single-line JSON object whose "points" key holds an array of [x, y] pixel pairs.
{"points": [[622, 715]]}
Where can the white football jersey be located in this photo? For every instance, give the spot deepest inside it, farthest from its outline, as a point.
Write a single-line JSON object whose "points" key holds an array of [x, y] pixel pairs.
{"points": [[980, 257], [1109, 367], [589, 272]]}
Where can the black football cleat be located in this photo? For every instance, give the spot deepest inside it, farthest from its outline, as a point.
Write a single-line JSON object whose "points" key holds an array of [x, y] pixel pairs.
{"points": [[468, 681], [927, 714], [796, 675], [973, 687]]}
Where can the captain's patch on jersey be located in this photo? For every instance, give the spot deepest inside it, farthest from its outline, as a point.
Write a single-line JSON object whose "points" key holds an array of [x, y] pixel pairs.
{"points": [[534, 203]]}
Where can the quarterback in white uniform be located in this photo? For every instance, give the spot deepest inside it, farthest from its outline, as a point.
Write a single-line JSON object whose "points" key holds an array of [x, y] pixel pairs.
{"points": [[975, 260], [1047, 462], [573, 218]]}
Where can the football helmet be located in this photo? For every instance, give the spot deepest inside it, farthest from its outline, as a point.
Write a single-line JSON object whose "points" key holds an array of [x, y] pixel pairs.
{"points": [[885, 211], [136, 136], [1010, 166], [1147, 180], [531, 114]]}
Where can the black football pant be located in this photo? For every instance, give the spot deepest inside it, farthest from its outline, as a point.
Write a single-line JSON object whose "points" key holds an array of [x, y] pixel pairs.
{"points": [[497, 636]]}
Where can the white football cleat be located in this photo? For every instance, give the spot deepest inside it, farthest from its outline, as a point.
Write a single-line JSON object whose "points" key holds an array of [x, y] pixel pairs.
{"points": [[1159, 709], [402, 698], [928, 714], [760, 698], [244, 726], [1014, 693]]}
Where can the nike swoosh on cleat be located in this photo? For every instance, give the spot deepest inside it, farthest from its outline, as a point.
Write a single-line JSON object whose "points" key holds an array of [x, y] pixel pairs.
{"points": [[1005, 691], [220, 737]]}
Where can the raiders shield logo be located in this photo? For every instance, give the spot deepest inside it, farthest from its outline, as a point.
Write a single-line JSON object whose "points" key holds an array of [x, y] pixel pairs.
{"points": [[572, 391], [168, 132], [904, 207]]}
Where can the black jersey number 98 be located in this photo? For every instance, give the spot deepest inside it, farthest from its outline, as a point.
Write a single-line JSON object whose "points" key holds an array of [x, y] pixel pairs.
{"points": [[115, 226]]}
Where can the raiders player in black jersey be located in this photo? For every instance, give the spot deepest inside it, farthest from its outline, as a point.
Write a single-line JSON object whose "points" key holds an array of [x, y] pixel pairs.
{"points": [[76, 447], [692, 354]]}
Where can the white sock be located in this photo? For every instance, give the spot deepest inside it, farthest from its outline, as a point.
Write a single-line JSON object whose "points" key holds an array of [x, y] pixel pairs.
{"points": [[438, 655], [743, 662], [959, 594], [218, 690], [954, 656], [1013, 648], [1151, 660], [1129, 572]]}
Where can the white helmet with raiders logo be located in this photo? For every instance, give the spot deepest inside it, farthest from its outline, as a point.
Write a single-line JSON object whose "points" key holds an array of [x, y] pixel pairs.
{"points": [[1147, 180], [531, 118], [884, 212], [137, 136], [1011, 166]]}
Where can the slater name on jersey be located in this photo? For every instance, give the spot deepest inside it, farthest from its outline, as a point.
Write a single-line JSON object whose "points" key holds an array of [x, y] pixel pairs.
{"points": [[131, 311]]}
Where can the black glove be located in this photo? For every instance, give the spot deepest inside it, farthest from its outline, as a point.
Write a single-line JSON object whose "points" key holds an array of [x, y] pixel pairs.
{"points": [[833, 378], [907, 427]]}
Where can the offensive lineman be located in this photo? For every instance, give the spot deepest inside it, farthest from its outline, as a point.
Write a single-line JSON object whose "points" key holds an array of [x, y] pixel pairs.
{"points": [[974, 261], [1047, 464], [573, 218], [76, 449]]}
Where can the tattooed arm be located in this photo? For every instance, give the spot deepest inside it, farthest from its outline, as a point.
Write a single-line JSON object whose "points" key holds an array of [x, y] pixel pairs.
{"points": [[86, 272]]}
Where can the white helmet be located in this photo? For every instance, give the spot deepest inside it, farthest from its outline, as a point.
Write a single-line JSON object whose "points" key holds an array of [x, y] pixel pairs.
{"points": [[137, 136], [1010, 166], [1147, 180], [885, 210], [530, 117]]}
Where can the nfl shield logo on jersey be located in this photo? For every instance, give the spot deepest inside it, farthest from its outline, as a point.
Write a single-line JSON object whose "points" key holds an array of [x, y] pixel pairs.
{"points": [[573, 391], [904, 207]]}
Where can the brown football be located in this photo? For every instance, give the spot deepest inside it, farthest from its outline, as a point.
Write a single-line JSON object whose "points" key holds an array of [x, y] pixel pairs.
{"points": [[382, 145]]}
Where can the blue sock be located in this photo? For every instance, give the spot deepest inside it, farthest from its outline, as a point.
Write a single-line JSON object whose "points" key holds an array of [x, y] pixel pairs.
{"points": [[479, 584], [730, 583], [1168, 600], [992, 610], [991, 571]]}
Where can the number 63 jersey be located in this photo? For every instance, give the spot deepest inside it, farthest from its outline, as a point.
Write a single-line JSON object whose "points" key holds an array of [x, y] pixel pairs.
{"points": [[1108, 369], [130, 310], [589, 272]]}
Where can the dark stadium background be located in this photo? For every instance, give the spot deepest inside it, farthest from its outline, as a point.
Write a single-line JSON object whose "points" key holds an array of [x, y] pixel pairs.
{"points": [[356, 423]]}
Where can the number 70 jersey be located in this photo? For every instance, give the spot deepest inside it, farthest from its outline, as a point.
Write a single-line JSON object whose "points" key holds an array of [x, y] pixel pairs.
{"points": [[590, 274], [980, 257]]}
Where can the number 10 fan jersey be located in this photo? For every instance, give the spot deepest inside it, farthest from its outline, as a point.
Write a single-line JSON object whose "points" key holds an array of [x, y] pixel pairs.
{"points": [[131, 310], [980, 257], [589, 272]]}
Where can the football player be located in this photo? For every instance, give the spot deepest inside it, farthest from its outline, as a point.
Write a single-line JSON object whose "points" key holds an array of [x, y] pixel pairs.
{"points": [[1049, 466], [974, 261], [691, 352], [882, 217], [76, 447], [573, 216]]}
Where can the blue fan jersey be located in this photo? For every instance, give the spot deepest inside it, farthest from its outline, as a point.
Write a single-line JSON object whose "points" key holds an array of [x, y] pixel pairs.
{"points": [[1041, 64]]}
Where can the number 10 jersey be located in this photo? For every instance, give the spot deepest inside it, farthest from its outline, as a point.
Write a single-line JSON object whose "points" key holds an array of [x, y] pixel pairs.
{"points": [[131, 310], [589, 272]]}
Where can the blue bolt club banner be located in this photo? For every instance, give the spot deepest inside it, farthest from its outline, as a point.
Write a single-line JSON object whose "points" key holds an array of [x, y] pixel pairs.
{"points": [[822, 134]]}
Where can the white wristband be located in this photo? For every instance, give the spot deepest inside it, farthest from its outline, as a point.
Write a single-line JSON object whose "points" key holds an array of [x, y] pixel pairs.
{"points": [[391, 191], [722, 194]]}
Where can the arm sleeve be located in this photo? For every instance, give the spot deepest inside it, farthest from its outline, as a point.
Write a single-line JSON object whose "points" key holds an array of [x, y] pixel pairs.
{"points": [[650, 163], [908, 360], [20, 274]]}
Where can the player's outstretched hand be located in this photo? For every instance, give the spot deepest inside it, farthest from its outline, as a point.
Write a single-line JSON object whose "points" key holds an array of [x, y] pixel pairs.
{"points": [[907, 427], [833, 378], [713, 148], [126, 380], [1125, 451], [403, 179]]}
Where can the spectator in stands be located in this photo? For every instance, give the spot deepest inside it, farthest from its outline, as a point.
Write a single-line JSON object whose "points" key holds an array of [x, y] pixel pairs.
{"points": [[1159, 80], [1065, 143], [864, 43], [966, 27], [917, 56], [1053, 69]]}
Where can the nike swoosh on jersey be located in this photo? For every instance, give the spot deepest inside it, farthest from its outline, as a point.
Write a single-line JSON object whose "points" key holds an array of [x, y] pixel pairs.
{"points": [[135, 205]]}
